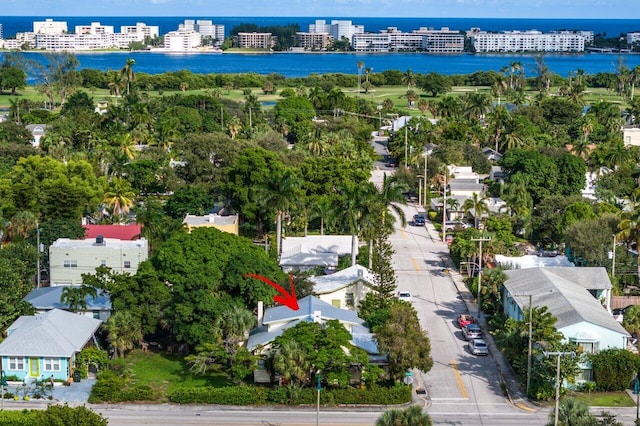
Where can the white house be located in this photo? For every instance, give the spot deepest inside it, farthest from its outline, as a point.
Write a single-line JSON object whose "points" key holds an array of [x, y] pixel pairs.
{"points": [[344, 289], [38, 131], [38, 347], [69, 259], [276, 320], [578, 297], [304, 253]]}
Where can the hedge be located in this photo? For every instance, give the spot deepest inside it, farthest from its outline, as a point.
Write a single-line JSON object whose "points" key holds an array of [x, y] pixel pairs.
{"points": [[282, 395]]}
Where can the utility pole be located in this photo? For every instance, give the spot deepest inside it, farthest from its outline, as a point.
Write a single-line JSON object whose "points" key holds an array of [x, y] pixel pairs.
{"points": [[558, 354], [425, 155], [405, 144], [444, 207], [529, 360], [38, 245], [480, 240], [613, 257]]}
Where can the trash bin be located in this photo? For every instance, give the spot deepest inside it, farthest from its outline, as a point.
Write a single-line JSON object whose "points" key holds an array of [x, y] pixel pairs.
{"points": [[76, 377]]}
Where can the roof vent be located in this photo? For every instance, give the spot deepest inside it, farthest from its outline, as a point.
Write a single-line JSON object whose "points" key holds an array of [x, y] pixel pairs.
{"points": [[360, 273], [99, 240]]}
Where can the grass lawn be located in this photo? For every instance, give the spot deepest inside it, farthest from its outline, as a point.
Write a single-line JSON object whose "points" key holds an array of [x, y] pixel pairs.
{"points": [[166, 372], [605, 399]]}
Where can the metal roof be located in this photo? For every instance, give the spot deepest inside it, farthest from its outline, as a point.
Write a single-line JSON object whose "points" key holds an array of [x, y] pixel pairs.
{"points": [[329, 283], [47, 298]]}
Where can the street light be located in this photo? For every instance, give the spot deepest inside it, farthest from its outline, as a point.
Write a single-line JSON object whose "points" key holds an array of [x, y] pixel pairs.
{"points": [[530, 342], [480, 240], [425, 155]]}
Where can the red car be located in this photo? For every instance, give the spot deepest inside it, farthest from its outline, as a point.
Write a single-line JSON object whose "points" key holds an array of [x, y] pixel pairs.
{"points": [[465, 319]]}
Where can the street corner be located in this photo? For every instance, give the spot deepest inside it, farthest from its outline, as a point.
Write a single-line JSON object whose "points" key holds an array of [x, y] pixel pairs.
{"points": [[525, 406]]}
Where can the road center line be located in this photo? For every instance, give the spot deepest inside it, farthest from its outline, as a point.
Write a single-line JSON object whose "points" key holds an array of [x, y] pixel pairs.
{"points": [[456, 373], [415, 264]]}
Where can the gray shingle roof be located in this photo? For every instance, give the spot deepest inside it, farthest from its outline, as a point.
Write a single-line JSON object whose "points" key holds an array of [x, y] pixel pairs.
{"points": [[55, 333], [565, 292]]}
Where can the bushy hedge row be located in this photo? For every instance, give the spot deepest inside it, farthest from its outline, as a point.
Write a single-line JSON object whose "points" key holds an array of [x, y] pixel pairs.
{"points": [[113, 388], [284, 395], [53, 415]]}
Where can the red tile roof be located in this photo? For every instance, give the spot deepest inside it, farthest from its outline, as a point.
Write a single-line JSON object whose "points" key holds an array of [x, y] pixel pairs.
{"points": [[120, 232]]}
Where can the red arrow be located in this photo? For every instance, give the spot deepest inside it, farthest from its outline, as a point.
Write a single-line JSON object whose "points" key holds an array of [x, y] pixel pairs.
{"points": [[286, 298]]}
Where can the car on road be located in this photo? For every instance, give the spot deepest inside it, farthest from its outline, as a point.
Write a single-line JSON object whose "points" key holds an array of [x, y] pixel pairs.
{"points": [[471, 331], [478, 347], [455, 226], [418, 220], [405, 296], [464, 319]]}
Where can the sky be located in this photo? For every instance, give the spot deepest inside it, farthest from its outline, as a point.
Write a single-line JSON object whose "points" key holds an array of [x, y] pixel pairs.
{"points": [[558, 9]]}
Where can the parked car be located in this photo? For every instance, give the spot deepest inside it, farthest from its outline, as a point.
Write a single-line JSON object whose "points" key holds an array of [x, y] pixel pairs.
{"points": [[405, 296], [471, 331], [478, 347], [455, 225], [464, 319], [418, 220]]}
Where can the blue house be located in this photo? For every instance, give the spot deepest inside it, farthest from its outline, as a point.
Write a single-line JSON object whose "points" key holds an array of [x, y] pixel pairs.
{"points": [[38, 347]]}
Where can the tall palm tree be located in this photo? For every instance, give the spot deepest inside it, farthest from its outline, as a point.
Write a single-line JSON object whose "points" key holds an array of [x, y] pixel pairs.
{"points": [[360, 68], [75, 297], [629, 228], [124, 330], [20, 225], [476, 105], [127, 73], [234, 126], [278, 192], [354, 203], [479, 204], [409, 79], [120, 196]]}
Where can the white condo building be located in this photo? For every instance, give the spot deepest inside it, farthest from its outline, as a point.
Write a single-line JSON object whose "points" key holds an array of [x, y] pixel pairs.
{"points": [[526, 41], [337, 29], [182, 40], [424, 39], [49, 26], [205, 27], [633, 38], [94, 28], [151, 31], [69, 259]]}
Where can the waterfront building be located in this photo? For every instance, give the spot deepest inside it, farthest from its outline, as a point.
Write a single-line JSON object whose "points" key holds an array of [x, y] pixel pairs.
{"points": [[61, 42], [255, 40], [151, 31], [424, 39], [526, 41], [94, 28], [182, 40], [338, 29], [0, 31], [312, 41], [49, 26], [205, 27], [633, 38]]}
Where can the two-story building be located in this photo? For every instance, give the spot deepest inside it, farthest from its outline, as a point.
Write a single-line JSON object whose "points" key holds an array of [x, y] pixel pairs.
{"points": [[69, 259]]}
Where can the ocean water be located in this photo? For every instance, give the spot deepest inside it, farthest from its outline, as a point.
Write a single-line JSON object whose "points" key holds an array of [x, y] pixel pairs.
{"points": [[304, 64]]}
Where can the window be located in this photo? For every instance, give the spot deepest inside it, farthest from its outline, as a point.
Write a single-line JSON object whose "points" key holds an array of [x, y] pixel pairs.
{"points": [[70, 263], [127, 264], [103, 263], [16, 363], [589, 347], [51, 364], [95, 314], [349, 299]]}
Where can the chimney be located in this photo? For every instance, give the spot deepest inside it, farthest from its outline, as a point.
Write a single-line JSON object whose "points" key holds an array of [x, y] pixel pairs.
{"points": [[260, 313]]}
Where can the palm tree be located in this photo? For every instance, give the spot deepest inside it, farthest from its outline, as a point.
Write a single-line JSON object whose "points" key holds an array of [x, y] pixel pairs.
{"points": [[75, 297], [476, 105], [572, 412], [234, 126], [232, 324], [123, 331], [409, 79], [499, 86], [479, 205], [120, 196], [127, 73], [412, 416], [20, 225], [629, 228], [291, 362], [324, 210], [360, 68], [278, 192], [354, 204]]}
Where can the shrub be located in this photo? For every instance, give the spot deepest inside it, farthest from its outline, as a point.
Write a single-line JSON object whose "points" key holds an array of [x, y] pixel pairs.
{"points": [[238, 395]]}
